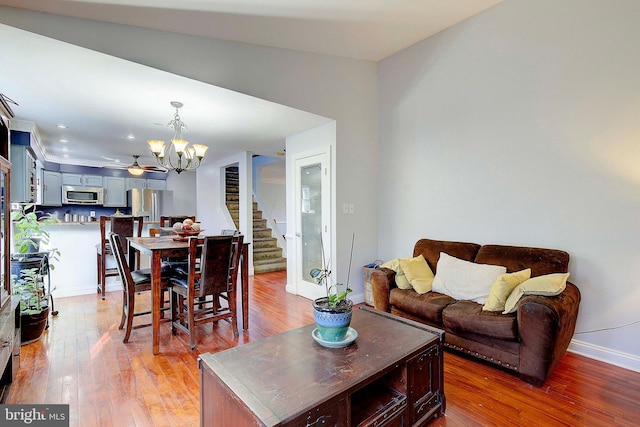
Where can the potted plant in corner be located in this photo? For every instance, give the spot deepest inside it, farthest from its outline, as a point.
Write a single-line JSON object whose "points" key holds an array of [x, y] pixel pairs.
{"points": [[34, 303], [27, 268], [332, 313]]}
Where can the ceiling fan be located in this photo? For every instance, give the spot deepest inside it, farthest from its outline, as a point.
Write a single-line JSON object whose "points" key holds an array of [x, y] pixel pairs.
{"points": [[136, 169]]}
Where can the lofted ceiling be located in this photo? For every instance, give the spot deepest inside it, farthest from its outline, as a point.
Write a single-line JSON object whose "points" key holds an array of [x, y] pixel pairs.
{"points": [[102, 99]]}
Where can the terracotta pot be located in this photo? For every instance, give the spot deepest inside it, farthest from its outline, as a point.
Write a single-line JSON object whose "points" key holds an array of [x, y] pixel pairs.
{"points": [[332, 323], [32, 326]]}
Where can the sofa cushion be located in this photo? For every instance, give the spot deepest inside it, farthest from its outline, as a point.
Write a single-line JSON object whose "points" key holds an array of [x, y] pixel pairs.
{"points": [[547, 285], [401, 280], [515, 258], [468, 316], [431, 250], [502, 288], [426, 306], [418, 272], [464, 280]]}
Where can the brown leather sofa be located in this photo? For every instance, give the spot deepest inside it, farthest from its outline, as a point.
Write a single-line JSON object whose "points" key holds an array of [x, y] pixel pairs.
{"points": [[529, 342]]}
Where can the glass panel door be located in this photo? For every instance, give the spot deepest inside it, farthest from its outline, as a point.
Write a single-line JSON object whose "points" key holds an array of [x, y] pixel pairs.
{"points": [[311, 219], [312, 224]]}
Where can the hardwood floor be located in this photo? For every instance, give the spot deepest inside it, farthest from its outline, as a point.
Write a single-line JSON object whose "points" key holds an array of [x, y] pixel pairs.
{"points": [[82, 361]]}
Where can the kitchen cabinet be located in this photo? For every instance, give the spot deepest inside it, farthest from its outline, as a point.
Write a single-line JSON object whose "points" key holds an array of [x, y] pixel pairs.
{"points": [[136, 183], [51, 188], [74, 179], [156, 184], [79, 180], [92, 180], [115, 192], [23, 174]]}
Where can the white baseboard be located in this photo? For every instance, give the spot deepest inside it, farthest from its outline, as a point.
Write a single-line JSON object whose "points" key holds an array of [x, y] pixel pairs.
{"points": [[85, 290], [603, 354], [357, 298]]}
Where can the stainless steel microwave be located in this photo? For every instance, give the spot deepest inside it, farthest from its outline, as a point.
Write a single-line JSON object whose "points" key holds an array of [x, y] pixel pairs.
{"points": [[82, 195]]}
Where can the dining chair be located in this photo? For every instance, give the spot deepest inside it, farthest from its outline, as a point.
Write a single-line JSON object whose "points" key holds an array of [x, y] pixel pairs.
{"points": [[208, 293], [168, 221], [133, 282], [229, 232], [125, 226]]}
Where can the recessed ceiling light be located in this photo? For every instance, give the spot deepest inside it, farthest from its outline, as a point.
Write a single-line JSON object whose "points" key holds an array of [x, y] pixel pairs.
{"points": [[64, 141], [61, 126], [131, 137]]}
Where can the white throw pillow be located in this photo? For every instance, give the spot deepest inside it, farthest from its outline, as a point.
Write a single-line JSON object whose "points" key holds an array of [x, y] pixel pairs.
{"points": [[464, 280]]}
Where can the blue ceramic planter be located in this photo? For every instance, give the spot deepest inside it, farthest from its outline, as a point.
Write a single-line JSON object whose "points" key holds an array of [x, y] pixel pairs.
{"points": [[332, 323]]}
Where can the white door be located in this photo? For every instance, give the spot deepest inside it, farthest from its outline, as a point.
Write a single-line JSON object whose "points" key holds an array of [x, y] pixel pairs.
{"points": [[313, 191]]}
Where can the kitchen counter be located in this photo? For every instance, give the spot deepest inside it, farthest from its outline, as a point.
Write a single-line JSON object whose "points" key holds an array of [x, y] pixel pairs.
{"points": [[146, 224], [76, 271]]}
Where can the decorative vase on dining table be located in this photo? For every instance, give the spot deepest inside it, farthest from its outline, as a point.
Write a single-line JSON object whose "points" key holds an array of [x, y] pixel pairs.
{"points": [[332, 323]]}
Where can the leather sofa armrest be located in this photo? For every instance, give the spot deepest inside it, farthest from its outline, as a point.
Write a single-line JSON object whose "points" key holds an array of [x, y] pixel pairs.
{"points": [[546, 326], [382, 281]]}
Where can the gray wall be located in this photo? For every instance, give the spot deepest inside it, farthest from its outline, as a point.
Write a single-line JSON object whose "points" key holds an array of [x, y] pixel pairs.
{"points": [[520, 126]]}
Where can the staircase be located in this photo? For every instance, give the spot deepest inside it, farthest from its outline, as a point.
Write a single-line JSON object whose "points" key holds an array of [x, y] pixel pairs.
{"points": [[267, 256]]}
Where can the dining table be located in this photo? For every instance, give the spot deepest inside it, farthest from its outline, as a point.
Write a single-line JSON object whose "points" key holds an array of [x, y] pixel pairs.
{"points": [[158, 248]]}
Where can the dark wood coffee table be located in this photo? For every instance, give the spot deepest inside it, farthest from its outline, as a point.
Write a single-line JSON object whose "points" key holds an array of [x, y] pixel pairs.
{"points": [[390, 376]]}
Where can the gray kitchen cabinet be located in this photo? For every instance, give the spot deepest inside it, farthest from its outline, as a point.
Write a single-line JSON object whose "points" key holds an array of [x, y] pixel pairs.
{"points": [[115, 191], [51, 188], [92, 180], [23, 175], [79, 180], [136, 183], [156, 184]]}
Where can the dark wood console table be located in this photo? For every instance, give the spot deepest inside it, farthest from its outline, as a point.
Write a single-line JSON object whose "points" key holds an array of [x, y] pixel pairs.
{"points": [[391, 376]]}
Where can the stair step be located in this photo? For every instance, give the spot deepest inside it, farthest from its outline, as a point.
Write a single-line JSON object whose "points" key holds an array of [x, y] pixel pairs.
{"points": [[279, 265], [235, 205], [265, 242], [259, 224], [259, 233], [266, 253]]}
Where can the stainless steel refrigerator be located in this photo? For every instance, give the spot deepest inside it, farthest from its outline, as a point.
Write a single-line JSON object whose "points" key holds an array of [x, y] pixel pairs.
{"points": [[150, 204]]}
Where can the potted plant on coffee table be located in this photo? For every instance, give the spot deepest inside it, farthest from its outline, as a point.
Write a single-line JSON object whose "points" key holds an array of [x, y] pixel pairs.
{"points": [[332, 313]]}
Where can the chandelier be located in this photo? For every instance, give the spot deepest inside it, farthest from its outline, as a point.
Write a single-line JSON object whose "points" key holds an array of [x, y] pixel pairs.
{"points": [[177, 155]]}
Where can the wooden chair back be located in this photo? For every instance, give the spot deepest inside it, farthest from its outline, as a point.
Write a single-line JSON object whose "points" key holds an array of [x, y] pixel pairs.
{"points": [[215, 264], [123, 266], [125, 226]]}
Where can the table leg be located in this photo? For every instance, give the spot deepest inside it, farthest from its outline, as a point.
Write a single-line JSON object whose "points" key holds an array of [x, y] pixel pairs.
{"points": [[245, 286], [156, 295]]}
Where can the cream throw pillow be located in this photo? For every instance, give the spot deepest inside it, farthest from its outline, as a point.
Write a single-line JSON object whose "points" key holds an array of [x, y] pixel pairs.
{"points": [[401, 280], [418, 272], [502, 287], [547, 285], [464, 280]]}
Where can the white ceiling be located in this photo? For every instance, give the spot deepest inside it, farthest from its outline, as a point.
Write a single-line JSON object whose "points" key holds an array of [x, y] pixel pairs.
{"points": [[103, 99]]}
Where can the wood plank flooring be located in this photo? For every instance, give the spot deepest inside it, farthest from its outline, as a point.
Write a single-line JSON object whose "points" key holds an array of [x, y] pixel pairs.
{"points": [[82, 361]]}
